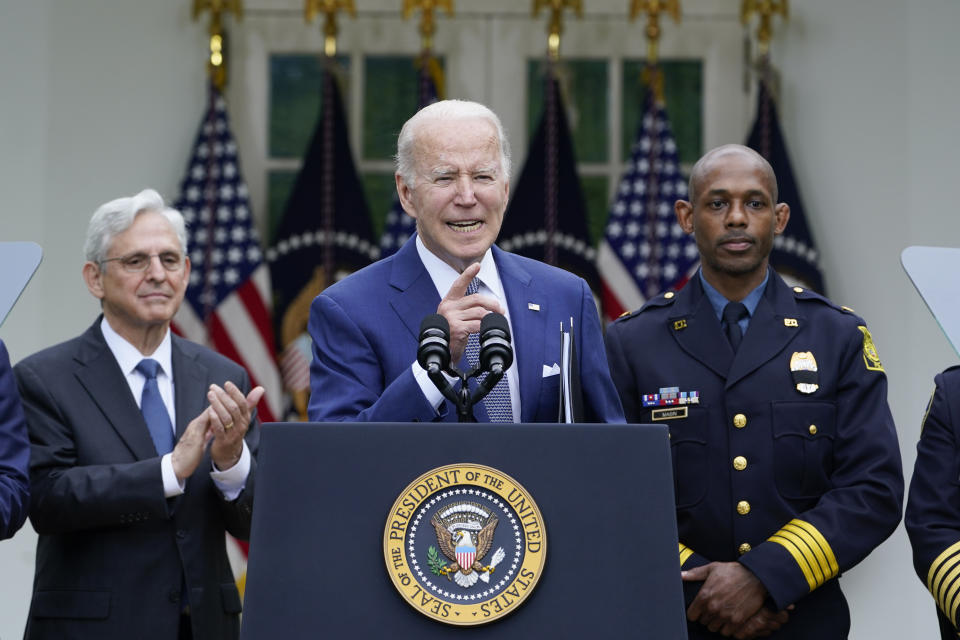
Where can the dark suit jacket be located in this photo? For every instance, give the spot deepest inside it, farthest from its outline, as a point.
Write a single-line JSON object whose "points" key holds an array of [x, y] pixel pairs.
{"points": [[14, 453], [365, 334], [113, 552]]}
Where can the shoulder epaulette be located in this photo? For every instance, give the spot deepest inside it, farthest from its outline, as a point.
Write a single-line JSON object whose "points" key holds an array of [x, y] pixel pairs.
{"points": [[802, 293], [664, 299]]}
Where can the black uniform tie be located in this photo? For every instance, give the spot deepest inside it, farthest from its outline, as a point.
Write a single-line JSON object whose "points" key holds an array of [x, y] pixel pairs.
{"points": [[733, 313]]}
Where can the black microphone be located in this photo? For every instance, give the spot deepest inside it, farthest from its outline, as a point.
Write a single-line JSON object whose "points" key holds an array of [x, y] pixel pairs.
{"points": [[433, 354], [496, 354]]}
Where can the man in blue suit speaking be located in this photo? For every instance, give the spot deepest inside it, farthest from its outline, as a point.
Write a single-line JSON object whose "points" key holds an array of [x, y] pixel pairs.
{"points": [[453, 177]]}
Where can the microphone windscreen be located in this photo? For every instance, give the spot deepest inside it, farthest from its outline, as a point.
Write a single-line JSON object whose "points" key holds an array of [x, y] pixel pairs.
{"points": [[494, 320], [435, 321]]}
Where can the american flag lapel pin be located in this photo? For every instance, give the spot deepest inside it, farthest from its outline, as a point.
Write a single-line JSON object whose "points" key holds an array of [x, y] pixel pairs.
{"points": [[533, 306]]}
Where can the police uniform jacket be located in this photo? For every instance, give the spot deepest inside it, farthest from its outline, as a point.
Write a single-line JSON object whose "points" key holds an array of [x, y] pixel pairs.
{"points": [[788, 460], [933, 507]]}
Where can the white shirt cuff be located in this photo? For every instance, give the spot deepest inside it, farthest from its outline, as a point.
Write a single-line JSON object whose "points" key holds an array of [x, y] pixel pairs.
{"points": [[231, 481], [171, 486], [430, 391]]}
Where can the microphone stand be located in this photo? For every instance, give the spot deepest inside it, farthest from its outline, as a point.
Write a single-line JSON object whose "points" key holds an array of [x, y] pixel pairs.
{"points": [[463, 400]]}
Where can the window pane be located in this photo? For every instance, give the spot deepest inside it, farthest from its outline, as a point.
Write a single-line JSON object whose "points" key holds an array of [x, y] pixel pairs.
{"points": [[595, 193], [587, 97], [683, 92], [391, 95], [279, 186], [296, 86]]}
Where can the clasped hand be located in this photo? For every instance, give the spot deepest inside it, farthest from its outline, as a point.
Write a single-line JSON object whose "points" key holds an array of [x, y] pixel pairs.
{"points": [[224, 422]]}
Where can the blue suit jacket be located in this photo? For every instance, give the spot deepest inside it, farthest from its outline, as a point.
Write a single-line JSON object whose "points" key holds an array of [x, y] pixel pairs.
{"points": [[14, 453], [365, 334]]}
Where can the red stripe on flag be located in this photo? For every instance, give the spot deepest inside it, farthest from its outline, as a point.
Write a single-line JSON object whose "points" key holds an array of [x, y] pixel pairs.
{"points": [[224, 345], [258, 312], [612, 307]]}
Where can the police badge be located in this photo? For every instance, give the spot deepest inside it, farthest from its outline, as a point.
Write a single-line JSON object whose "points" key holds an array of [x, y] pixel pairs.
{"points": [[449, 556], [803, 366]]}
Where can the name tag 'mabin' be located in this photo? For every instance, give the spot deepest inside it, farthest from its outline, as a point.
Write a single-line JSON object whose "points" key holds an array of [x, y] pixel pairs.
{"points": [[465, 544]]}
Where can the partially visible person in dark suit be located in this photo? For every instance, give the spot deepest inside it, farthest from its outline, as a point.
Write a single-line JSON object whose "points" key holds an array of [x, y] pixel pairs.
{"points": [[14, 453], [932, 517], [142, 450], [786, 464]]}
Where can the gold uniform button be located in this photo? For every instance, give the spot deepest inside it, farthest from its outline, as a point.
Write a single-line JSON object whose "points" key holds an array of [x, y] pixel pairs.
{"points": [[739, 421], [798, 289], [813, 429], [739, 463], [743, 507], [744, 548], [669, 294]]}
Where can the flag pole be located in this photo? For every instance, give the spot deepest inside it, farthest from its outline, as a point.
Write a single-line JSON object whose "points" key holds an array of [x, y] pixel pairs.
{"points": [[329, 8], [554, 31], [765, 9]]}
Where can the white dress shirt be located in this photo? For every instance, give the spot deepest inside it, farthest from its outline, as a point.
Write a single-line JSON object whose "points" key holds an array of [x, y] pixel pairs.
{"points": [[443, 276], [230, 481]]}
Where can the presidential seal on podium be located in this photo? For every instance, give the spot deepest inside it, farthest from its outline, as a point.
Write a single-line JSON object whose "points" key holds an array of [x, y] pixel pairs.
{"points": [[465, 544]]}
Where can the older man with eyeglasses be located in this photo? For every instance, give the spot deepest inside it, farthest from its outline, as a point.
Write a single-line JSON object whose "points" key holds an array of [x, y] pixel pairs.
{"points": [[142, 450]]}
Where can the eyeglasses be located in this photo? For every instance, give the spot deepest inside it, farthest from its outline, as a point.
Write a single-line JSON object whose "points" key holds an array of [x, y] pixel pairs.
{"points": [[139, 262]]}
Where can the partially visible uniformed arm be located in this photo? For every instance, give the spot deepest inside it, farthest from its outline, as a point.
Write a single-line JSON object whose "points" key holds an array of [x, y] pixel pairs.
{"points": [[863, 505], [933, 508], [14, 453]]}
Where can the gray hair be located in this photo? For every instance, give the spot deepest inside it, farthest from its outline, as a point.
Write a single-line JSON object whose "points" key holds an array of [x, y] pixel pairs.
{"points": [[446, 110], [117, 216]]}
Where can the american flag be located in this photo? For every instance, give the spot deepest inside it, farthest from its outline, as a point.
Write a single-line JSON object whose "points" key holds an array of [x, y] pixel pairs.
{"points": [[399, 226], [644, 251], [228, 298]]}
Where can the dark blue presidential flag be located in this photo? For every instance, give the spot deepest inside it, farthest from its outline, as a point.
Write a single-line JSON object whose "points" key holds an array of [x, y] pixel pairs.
{"points": [[325, 233], [547, 215], [644, 251], [399, 226], [794, 253]]}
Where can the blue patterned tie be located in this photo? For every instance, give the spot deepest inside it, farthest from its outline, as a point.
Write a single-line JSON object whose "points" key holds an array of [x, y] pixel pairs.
{"points": [[497, 403], [153, 409]]}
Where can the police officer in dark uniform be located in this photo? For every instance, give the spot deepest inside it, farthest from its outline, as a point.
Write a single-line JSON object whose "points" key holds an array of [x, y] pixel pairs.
{"points": [[933, 507], [786, 464]]}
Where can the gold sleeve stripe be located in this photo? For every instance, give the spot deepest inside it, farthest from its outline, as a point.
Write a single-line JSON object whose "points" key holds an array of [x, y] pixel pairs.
{"points": [[810, 549], [953, 601], [685, 553], [942, 580], [948, 590], [817, 568], [936, 567], [801, 561], [821, 542]]}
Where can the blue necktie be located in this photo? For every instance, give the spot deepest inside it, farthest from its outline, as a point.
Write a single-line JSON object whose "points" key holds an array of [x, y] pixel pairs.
{"points": [[153, 409], [497, 403]]}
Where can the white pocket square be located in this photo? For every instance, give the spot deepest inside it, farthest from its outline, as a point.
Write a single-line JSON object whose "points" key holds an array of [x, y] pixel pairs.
{"points": [[551, 371]]}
